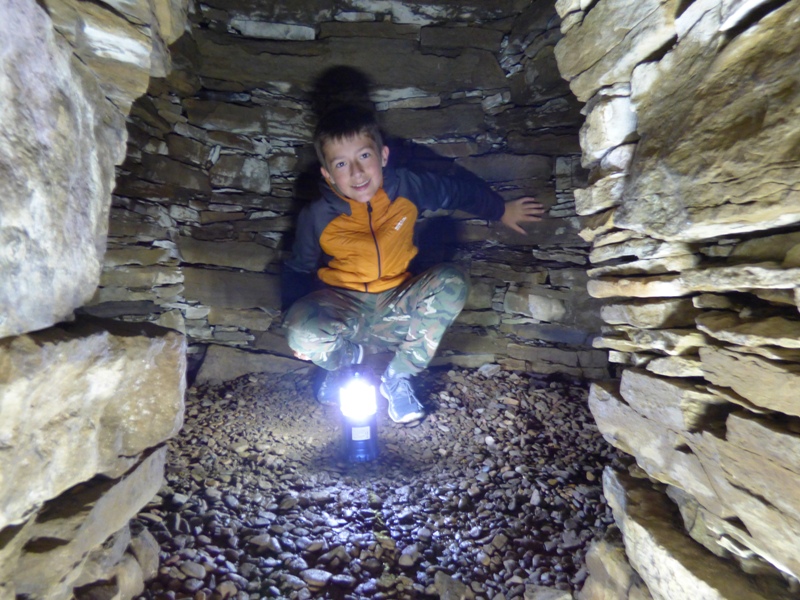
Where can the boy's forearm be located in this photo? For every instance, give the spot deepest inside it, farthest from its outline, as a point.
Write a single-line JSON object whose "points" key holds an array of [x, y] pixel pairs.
{"points": [[431, 191]]}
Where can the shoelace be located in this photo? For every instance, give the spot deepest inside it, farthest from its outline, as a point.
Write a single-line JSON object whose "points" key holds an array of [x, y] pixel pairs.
{"points": [[408, 392]]}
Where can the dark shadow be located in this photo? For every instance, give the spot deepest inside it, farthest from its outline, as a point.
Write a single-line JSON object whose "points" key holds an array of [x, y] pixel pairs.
{"points": [[344, 85], [751, 18], [436, 238], [340, 86], [334, 87], [8, 534]]}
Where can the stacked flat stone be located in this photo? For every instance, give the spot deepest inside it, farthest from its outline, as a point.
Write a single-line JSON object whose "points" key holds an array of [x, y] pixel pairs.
{"points": [[219, 165], [693, 213], [85, 405]]}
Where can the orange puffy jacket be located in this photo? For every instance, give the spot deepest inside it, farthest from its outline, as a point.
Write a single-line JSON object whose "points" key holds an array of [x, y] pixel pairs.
{"points": [[368, 246]]}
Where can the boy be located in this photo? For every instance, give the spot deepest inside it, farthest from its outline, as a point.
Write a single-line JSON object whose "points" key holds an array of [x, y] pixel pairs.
{"points": [[359, 239]]}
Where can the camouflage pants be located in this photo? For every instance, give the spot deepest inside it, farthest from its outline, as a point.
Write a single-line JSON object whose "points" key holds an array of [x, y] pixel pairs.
{"points": [[413, 317]]}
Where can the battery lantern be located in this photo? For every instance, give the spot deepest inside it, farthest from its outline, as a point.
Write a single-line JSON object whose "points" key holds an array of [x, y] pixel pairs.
{"points": [[359, 407]]}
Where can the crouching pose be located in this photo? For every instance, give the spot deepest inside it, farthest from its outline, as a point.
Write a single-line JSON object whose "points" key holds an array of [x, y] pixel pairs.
{"points": [[353, 248]]}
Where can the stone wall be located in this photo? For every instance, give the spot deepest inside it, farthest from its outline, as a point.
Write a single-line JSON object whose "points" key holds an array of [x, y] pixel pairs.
{"points": [[693, 210], [219, 164], [86, 404]]}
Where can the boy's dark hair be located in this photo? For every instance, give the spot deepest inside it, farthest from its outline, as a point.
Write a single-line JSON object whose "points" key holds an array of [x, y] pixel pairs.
{"points": [[345, 122]]}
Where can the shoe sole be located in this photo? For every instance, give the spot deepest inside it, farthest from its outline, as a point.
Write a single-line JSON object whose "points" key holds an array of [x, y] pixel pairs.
{"points": [[412, 416]]}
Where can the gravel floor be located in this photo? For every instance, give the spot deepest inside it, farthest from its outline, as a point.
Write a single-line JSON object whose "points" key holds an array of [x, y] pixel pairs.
{"points": [[498, 488]]}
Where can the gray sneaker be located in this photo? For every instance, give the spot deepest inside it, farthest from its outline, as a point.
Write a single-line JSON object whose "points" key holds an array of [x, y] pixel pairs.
{"points": [[403, 404]]}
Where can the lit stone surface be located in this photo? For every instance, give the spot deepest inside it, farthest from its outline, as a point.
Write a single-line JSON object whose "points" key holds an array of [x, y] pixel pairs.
{"points": [[596, 55], [640, 248], [767, 531], [556, 360], [649, 266], [258, 320], [669, 195], [767, 383], [729, 327], [508, 167], [654, 445], [57, 183], [611, 574], [664, 341], [459, 120], [712, 279], [671, 565], [676, 366], [476, 69], [650, 314], [136, 256], [244, 173], [611, 122], [81, 400], [231, 289], [775, 484], [113, 47], [676, 404], [769, 438], [83, 519], [271, 31], [768, 248], [599, 225], [54, 225], [151, 276], [243, 255], [541, 306], [692, 238], [605, 193]]}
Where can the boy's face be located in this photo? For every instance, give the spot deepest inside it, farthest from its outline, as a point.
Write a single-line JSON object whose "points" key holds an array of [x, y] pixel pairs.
{"points": [[354, 166]]}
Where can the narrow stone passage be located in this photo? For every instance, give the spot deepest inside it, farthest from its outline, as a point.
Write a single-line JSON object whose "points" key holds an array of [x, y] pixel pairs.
{"points": [[498, 488]]}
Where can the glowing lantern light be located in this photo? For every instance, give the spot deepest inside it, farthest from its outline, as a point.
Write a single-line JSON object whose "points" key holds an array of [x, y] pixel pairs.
{"points": [[359, 406]]}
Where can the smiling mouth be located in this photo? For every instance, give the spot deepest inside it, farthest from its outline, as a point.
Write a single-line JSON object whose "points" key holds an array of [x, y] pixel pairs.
{"points": [[360, 186]]}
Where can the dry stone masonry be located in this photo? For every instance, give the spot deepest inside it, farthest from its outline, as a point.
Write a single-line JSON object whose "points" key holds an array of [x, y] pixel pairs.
{"points": [[692, 210], [220, 163], [85, 405], [155, 153]]}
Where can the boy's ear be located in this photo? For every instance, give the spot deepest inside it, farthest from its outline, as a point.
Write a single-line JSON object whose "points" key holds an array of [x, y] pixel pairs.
{"points": [[384, 156], [325, 173]]}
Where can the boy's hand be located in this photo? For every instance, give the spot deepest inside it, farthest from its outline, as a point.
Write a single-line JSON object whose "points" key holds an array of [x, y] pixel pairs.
{"points": [[302, 356], [522, 210]]}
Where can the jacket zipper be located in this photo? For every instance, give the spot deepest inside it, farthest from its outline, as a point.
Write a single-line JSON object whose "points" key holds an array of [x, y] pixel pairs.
{"points": [[377, 248]]}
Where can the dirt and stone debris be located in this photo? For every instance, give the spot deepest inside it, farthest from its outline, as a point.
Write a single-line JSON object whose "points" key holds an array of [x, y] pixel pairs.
{"points": [[495, 494]]}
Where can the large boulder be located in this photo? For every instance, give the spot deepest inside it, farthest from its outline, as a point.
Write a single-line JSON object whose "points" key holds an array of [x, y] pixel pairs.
{"points": [[68, 75], [723, 158], [59, 141], [80, 400]]}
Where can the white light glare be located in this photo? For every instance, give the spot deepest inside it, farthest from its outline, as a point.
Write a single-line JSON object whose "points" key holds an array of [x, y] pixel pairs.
{"points": [[357, 399]]}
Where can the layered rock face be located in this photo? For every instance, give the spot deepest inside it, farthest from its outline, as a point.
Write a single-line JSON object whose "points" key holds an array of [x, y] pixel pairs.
{"points": [[220, 162], [693, 207], [85, 404]]}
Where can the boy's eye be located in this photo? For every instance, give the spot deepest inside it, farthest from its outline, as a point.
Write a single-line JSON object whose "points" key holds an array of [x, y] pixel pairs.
{"points": [[339, 164], [366, 155]]}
